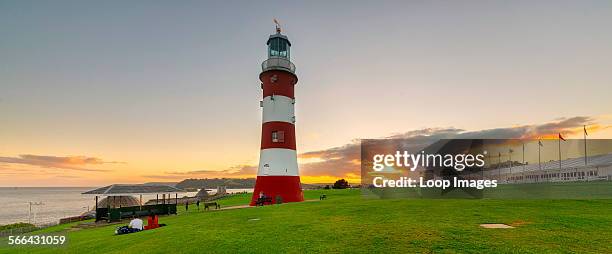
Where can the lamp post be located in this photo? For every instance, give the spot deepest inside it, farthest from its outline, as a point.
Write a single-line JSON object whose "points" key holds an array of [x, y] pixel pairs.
{"points": [[30, 210]]}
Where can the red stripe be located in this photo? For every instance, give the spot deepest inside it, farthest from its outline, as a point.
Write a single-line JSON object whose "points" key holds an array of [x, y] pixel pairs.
{"points": [[288, 130], [278, 83], [288, 187]]}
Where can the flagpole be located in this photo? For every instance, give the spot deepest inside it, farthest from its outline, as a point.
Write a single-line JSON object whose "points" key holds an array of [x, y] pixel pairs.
{"points": [[585, 146], [523, 175], [539, 157], [510, 159], [499, 167], [490, 162], [559, 153]]}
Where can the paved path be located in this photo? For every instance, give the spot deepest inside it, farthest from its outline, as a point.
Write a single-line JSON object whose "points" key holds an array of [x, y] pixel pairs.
{"points": [[235, 207], [248, 206]]}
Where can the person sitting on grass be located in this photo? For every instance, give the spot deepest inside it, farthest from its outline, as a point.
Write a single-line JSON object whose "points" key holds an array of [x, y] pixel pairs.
{"points": [[136, 225], [262, 199]]}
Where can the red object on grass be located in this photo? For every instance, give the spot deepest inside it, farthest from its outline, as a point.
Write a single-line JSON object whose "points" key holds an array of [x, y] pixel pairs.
{"points": [[152, 222]]}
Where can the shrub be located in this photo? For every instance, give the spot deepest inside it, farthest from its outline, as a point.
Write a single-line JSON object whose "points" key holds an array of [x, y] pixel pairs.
{"points": [[341, 184], [16, 225]]}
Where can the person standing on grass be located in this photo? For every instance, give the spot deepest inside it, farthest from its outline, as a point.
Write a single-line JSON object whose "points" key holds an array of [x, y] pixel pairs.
{"points": [[198, 204], [187, 205]]}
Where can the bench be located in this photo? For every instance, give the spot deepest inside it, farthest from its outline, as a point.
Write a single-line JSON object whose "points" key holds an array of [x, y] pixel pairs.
{"points": [[214, 204]]}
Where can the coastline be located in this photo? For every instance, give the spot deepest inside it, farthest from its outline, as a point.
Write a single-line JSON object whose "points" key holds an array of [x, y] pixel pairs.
{"points": [[50, 204]]}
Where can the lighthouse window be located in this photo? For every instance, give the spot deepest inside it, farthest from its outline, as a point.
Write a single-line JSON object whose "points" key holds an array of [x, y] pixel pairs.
{"points": [[278, 136], [274, 47], [282, 48], [278, 47]]}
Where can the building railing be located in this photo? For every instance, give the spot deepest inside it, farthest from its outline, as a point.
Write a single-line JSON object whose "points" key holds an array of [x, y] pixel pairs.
{"points": [[278, 63]]}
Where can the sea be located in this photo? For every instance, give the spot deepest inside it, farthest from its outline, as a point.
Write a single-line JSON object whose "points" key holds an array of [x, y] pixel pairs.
{"points": [[46, 205]]}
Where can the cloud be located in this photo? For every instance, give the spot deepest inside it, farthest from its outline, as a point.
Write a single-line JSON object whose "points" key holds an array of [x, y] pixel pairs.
{"points": [[566, 126], [60, 162], [344, 161], [235, 171], [167, 177], [67, 176]]}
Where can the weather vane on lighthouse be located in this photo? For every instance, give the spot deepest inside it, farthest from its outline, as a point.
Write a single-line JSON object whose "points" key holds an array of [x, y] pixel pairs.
{"points": [[278, 27], [278, 178]]}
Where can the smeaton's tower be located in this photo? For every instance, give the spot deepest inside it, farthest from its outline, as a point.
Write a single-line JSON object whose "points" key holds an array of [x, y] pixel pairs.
{"points": [[278, 175]]}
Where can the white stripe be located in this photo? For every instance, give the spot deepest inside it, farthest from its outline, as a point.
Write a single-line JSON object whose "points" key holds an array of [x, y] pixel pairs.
{"points": [[279, 109], [278, 162]]}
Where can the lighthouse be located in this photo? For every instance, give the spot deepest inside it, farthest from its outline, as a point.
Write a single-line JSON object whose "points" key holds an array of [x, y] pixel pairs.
{"points": [[277, 176]]}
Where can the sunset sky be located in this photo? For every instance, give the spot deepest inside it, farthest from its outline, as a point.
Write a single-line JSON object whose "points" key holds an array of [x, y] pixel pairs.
{"points": [[95, 93]]}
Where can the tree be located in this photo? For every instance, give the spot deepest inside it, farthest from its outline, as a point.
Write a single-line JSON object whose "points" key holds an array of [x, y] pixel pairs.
{"points": [[341, 184]]}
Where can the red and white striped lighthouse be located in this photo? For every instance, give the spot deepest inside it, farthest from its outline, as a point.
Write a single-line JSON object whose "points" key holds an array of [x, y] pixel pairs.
{"points": [[278, 174]]}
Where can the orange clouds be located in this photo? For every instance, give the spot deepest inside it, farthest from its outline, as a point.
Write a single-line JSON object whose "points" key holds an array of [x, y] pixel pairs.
{"points": [[328, 165], [60, 162], [344, 161], [239, 171]]}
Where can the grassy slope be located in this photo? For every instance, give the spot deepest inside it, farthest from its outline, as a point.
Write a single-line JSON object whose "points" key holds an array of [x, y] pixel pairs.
{"points": [[348, 223]]}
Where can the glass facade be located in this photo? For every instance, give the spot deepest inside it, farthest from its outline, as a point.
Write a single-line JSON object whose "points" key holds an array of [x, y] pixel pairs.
{"points": [[278, 47]]}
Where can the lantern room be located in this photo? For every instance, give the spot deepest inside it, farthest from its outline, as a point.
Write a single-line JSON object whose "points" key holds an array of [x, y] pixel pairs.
{"points": [[279, 53], [278, 46]]}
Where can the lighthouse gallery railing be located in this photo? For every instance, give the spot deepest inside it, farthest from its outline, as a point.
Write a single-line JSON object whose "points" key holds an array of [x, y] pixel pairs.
{"points": [[276, 63]]}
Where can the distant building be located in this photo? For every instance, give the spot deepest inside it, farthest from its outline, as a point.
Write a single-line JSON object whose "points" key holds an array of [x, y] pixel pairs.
{"points": [[221, 190], [599, 167]]}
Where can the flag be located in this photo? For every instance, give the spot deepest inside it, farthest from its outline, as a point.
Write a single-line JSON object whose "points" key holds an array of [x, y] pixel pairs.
{"points": [[585, 132], [561, 137], [540, 142]]}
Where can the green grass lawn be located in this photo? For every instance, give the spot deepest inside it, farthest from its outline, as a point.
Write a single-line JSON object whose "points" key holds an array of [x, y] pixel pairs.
{"points": [[346, 222]]}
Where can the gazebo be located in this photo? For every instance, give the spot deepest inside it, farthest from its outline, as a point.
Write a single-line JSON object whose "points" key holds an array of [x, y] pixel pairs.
{"points": [[118, 190]]}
